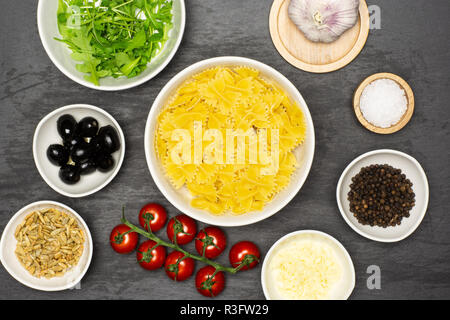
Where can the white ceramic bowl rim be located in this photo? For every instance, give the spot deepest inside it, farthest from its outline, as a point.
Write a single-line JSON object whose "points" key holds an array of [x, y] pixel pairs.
{"points": [[367, 154], [88, 240], [112, 175], [135, 83], [197, 67], [295, 233]]}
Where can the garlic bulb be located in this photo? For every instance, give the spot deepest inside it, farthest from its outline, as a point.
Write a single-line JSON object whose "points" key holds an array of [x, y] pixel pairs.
{"points": [[324, 20]]}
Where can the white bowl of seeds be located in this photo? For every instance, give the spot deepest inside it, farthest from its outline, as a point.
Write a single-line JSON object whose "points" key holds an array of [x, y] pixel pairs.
{"points": [[46, 246]]}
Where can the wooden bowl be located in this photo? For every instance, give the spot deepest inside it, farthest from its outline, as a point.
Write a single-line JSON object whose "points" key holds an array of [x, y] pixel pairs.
{"points": [[313, 56], [409, 96]]}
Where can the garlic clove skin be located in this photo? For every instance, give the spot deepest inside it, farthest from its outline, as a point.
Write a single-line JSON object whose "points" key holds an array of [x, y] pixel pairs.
{"points": [[324, 20]]}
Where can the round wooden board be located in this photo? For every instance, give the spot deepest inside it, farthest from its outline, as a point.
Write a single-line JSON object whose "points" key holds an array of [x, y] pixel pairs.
{"points": [[311, 56], [409, 96]]}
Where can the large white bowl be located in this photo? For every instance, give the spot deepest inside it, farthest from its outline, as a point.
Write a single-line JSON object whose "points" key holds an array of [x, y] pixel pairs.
{"points": [[181, 198], [341, 290], [413, 171], [60, 54], [47, 133], [9, 260]]}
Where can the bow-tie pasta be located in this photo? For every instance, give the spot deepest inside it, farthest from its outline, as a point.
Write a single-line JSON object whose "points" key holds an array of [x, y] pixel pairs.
{"points": [[209, 106]]}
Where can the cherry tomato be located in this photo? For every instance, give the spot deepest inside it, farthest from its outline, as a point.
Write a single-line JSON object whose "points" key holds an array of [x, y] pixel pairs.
{"points": [[208, 285], [153, 214], [183, 270], [150, 258], [244, 252], [212, 241], [122, 240], [184, 227]]}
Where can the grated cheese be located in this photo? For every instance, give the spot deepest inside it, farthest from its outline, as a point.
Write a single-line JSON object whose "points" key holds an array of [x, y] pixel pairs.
{"points": [[305, 269]]}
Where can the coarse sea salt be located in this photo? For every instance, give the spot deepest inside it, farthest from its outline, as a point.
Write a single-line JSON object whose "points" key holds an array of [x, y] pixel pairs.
{"points": [[383, 103]]}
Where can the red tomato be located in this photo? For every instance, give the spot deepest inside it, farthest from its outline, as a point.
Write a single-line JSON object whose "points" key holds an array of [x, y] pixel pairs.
{"points": [[153, 214], [246, 253], [122, 240], [184, 227], [150, 258], [208, 285], [184, 269], [212, 241]]}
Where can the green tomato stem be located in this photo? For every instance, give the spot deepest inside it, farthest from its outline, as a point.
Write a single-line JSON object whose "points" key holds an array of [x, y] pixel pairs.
{"points": [[176, 247]]}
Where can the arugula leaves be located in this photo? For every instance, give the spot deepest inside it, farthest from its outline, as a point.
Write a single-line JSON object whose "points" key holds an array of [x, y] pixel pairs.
{"points": [[114, 37]]}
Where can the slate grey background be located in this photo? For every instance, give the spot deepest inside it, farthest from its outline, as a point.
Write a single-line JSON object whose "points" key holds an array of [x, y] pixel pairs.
{"points": [[413, 43]]}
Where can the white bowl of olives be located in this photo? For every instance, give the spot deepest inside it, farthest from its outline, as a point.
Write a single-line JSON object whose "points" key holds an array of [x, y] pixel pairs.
{"points": [[78, 149]]}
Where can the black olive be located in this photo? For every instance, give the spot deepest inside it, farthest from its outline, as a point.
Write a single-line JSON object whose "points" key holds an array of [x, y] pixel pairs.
{"points": [[95, 146], [81, 151], [108, 139], [72, 142], [67, 126], [105, 162], [87, 127], [57, 154], [87, 166], [69, 174]]}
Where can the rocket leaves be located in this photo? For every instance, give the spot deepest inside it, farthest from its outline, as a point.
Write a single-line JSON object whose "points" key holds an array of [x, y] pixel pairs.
{"points": [[114, 37]]}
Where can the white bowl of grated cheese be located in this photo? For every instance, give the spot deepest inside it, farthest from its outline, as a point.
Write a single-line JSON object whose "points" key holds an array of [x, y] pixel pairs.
{"points": [[307, 265]]}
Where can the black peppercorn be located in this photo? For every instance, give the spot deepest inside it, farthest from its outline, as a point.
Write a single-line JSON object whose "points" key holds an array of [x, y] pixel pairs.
{"points": [[384, 203]]}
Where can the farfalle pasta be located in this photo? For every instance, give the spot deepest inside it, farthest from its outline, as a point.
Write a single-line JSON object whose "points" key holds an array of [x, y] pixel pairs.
{"points": [[228, 136]]}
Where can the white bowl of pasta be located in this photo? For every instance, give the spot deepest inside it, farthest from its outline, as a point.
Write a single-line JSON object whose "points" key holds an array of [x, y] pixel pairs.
{"points": [[229, 141]]}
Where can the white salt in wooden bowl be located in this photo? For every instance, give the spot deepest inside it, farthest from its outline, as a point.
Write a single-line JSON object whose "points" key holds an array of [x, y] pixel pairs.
{"points": [[406, 116]]}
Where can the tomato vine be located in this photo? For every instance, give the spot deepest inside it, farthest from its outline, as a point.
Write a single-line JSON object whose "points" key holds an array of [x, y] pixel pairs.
{"points": [[248, 259]]}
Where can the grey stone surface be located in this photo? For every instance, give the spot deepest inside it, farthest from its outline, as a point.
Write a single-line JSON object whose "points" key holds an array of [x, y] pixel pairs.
{"points": [[413, 43]]}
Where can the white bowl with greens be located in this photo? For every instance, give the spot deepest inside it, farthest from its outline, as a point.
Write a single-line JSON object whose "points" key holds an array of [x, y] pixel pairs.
{"points": [[125, 45]]}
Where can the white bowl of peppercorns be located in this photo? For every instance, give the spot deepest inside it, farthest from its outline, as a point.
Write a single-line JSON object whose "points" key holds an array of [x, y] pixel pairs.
{"points": [[383, 195]]}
